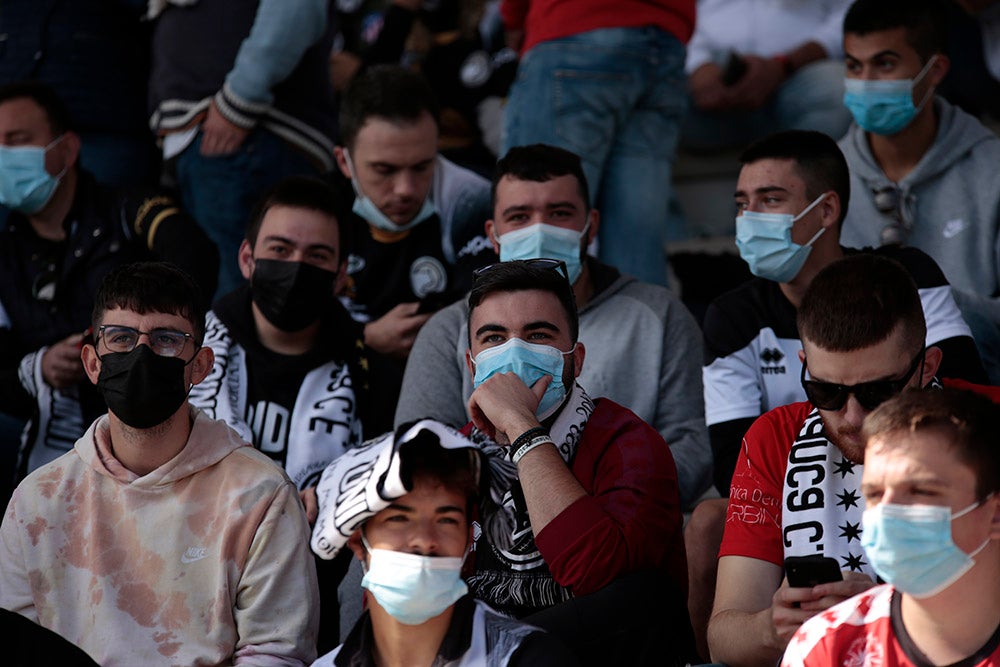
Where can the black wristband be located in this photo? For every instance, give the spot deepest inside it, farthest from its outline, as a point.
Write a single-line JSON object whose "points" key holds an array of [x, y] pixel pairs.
{"points": [[525, 438]]}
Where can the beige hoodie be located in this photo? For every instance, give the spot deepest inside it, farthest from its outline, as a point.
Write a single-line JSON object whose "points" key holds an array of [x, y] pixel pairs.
{"points": [[203, 561]]}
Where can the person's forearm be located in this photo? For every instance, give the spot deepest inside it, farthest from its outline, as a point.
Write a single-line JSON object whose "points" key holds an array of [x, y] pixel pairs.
{"points": [[802, 55], [548, 484], [743, 639]]}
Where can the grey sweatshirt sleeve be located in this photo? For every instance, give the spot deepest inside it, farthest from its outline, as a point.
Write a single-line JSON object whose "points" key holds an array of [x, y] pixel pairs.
{"points": [[680, 413], [432, 382]]}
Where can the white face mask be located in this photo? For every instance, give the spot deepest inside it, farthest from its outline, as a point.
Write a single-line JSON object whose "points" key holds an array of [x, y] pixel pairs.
{"points": [[366, 209], [413, 588]]}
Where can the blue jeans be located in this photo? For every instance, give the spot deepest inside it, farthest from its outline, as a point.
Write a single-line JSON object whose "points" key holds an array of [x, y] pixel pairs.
{"points": [[812, 99], [221, 191], [616, 98]]}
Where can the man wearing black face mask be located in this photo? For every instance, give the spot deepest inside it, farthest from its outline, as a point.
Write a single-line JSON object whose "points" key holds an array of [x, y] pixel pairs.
{"points": [[158, 507], [289, 364], [291, 370]]}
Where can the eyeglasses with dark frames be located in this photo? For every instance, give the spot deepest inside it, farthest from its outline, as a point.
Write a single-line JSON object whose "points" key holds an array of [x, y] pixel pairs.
{"points": [[833, 396], [164, 342], [537, 263]]}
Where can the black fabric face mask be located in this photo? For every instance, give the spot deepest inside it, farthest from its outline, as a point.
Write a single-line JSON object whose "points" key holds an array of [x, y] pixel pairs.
{"points": [[291, 295], [142, 388]]}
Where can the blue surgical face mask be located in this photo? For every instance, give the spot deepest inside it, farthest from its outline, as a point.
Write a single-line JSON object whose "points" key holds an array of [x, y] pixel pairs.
{"points": [[910, 546], [410, 587], [542, 240], [366, 209], [529, 362], [884, 106], [765, 243], [25, 185]]}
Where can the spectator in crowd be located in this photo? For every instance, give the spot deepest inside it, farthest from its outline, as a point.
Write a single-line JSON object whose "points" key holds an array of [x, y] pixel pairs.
{"points": [[417, 218], [162, 534], [582, 534], [792, 193], [644, 349], [973, 79], [95, 54], [922, 170], [605, 79], [931, 521], [796, 490], [289, 370], [291, 373], [64, 233], [791, 196], [413, 534], [781, 70], [241, 97]]}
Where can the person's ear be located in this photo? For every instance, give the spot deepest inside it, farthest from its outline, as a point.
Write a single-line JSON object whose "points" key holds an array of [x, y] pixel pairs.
{"points": [[995, 521], [341, 282], [490, 228], [830, 209], [338, 153], [468, 362], [201, 364], [579, 354], [71, 149], [932, 361], [244, 257], [595, 221], [354, 544], [802, 357], [939, 69], [91, 362]]}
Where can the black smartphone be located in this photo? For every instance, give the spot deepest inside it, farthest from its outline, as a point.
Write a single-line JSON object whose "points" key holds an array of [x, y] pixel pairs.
{"points": [[734, 69], [808, 571]]}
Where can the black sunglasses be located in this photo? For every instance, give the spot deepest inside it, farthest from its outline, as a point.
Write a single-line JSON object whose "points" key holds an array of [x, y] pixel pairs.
{"points": [[537, 263], [889, 201], [833, 396]]}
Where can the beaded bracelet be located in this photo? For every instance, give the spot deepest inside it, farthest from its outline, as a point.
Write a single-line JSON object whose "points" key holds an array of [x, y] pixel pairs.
{"points": [[537, 441], [526, 437]]}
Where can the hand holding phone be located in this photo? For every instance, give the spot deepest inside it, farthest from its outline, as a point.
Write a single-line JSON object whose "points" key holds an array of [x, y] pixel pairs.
{"points": [[809, 571]]}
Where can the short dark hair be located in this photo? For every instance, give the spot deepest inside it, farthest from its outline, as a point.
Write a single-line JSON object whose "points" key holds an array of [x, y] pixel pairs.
{"points": [[44, 96], [522, 275], [968, 421], [455, 469], [925, 22], [391, 92], [151, 287], [540, 163], [818, 160], [859, 301], [308, 192]]}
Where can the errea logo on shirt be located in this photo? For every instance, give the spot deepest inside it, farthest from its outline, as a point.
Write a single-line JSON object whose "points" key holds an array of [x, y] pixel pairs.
{"points": [[193, 554], [772, 356]]}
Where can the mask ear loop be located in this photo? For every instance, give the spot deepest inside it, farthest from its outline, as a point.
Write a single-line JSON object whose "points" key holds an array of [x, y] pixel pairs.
{"points": [[920, 75], [355, 185]]}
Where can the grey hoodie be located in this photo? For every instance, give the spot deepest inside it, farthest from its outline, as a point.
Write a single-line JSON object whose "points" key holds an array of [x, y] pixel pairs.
{"points": [[952, 195], [643, 351]]}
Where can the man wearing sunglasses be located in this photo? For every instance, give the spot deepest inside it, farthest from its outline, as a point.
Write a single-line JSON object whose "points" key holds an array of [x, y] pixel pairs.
{"points": [[163, 535], [796, 491], [924, 171]]}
